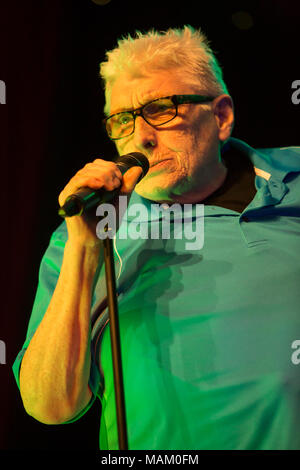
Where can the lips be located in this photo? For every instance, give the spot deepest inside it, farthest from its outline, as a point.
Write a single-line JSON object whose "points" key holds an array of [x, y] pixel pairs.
{"points": [[152, 164]]}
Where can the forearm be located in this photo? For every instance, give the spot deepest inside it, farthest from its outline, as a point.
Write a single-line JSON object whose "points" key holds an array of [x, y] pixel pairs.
{"points": [[56, 366]]}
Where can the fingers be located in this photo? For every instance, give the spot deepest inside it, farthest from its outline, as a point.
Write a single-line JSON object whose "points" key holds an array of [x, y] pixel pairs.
{"points": [[95, 175], [130, 179]]}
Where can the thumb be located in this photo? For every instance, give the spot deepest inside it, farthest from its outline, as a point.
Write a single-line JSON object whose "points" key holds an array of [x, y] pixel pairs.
{"points": [[130, 179]]}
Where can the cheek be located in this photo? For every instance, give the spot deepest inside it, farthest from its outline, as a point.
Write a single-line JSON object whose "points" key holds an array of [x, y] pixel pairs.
{"points": [[203, 138], [120, 148], [184, 146], [125, 146]]}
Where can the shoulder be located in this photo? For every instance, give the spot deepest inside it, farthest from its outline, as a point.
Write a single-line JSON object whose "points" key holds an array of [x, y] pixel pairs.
{"points": [[60, 235], [284, 158], [53, 255]]}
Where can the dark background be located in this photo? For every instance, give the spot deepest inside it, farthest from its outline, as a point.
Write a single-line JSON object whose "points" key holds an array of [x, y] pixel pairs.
{"points": [[50, 126]]}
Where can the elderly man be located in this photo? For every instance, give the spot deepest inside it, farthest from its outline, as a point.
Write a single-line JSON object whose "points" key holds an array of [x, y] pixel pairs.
{"points": [[206, 334]]}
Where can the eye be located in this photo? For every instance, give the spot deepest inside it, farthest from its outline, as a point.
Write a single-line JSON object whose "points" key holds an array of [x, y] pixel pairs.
{"points": [[158, 107], [124, 119]]}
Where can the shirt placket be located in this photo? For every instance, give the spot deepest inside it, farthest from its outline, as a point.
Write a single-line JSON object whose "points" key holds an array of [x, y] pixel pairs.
{"points": [[269, 194]]}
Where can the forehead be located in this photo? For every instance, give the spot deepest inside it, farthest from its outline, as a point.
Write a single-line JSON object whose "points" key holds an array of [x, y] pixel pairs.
{"points": [[129, 93]]}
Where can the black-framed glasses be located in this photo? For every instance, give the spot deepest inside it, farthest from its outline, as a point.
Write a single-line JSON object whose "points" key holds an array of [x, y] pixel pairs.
{"points": [[156, 113]]}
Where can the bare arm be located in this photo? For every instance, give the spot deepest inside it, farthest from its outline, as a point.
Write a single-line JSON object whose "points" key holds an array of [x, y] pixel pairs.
{"points": [[55, 369], [56, 366]]}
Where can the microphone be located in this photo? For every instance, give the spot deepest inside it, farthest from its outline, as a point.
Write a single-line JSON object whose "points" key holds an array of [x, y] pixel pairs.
{"points": [[86, 198]]}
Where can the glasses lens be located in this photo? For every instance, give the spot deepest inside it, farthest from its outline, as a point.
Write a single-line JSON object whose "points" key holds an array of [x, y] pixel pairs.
{"points": [[120, 125], [159, 111]]}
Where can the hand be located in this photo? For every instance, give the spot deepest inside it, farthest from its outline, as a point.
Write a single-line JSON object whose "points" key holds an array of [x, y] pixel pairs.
{"points": [[96, 175]]}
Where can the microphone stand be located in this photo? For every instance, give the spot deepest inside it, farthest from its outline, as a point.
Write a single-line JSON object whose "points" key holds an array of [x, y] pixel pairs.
{"points": [[115, 342], [86, 198]]}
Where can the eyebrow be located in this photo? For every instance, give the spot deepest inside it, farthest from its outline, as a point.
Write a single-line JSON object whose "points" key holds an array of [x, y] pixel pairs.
{"points": [[149, 97], [119, 110]]}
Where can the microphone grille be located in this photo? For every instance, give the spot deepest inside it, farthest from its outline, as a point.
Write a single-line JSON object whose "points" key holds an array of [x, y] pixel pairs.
{"points": [[134, 159]]}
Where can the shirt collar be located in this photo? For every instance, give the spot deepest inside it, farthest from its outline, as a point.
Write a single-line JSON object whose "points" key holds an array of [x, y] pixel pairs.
{"points": [[269, 163], [269, 168]]}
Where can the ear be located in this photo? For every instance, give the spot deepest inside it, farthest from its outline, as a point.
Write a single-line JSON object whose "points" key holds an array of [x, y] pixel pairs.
{"points": [[224, 115]]}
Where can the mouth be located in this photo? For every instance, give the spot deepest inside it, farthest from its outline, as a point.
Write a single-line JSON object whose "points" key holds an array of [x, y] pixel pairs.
{"points": [[159, 162]]}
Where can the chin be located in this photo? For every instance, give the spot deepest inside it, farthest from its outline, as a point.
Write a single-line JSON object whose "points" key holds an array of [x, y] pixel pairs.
{"points": [[155, 192], [160, 188]]}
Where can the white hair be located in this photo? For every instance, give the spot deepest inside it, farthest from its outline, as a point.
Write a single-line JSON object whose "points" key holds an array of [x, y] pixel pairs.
{"points": [[186, 49]]}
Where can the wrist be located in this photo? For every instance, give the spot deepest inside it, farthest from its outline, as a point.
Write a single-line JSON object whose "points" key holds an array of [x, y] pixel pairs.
{"points": [[86, 255]]}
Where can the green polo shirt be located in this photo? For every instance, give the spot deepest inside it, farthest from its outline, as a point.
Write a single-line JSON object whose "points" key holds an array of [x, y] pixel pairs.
{"points": [[206, 333]]}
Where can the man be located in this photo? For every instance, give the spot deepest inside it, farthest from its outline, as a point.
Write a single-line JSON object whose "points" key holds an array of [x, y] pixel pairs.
{"points": [[206, 334]]}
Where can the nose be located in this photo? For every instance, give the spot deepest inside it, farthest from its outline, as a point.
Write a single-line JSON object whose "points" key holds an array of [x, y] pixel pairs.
{"points": [[145, 136]]}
